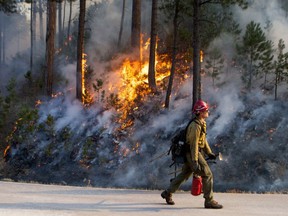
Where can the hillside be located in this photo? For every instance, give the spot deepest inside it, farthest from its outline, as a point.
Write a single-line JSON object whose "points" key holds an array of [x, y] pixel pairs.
{"points": [[77, 146]]}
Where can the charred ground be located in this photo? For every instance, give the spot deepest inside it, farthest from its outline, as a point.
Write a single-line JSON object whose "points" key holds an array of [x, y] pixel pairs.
{"points": [[88, 152]]}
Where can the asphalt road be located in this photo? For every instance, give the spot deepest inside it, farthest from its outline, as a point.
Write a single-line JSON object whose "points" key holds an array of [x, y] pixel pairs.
{"points": [[24, 199]]}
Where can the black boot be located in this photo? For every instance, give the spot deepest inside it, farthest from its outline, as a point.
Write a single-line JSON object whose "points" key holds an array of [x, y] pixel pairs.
{"points": [[168, 196], [212, 204]]}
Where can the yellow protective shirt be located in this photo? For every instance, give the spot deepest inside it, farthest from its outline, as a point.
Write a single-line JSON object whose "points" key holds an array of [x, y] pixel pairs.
{"points": [[196, 139]]}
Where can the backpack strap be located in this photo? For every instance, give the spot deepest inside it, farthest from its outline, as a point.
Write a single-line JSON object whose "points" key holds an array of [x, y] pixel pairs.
{"points": [[197, 122], [192, 120]]}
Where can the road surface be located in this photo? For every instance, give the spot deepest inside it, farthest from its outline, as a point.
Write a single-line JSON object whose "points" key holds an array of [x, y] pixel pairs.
{"points": [[22, 199]]}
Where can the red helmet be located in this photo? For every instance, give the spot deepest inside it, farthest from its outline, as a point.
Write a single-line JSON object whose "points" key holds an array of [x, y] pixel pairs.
{"points": [[200, 106]]}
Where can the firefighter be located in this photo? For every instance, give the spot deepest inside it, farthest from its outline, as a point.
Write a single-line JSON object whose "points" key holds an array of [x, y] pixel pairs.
{"points": [[197, 150]]}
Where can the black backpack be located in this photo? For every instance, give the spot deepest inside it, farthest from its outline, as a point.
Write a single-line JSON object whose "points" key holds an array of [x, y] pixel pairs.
{"points": [[179, 146]]}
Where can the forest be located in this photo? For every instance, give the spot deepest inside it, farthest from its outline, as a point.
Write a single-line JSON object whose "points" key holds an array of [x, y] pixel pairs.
{"points": [[92, 91]]}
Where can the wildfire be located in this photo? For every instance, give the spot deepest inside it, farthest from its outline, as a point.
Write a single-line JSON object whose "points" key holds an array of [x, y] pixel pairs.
{"points": [[86, 97], [134, 87], [131, 89]]}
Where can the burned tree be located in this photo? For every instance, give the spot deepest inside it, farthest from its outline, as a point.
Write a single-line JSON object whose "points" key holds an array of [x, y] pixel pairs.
{"points": [[151, 72], [50, 46], [197, 5], [80, 51], [136, 27], [121, 24], [174, 52], [196, 53]]}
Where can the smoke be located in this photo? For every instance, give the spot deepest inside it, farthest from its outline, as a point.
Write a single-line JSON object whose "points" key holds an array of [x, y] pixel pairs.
{"points": [[269, 14], [14, 37], [228, 106], [105, 32]]}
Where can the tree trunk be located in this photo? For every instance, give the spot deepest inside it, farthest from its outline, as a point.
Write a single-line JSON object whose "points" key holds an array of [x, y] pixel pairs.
{"points": [[136, 27], [153, 41], [250, 74], [80, 51], [174, 52], [121, 24], [32, 32], [60, 35], [1, 39], [34, 19], [50, 45], [276, 85], [69, 21], [41, 21], [64, 15], [196, 53], [4, 43]]}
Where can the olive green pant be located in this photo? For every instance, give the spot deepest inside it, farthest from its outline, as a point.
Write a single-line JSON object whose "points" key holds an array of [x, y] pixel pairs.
{"points": [[203, 171]]}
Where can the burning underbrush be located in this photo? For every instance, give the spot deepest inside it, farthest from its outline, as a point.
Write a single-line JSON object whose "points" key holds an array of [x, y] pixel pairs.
{"points": [[122, 138], [62, 142], [255, 146]]}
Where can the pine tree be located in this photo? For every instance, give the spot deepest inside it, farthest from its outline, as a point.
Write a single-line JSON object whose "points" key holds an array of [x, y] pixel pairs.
{"points": [[281, 66], [266, 64], [251, 51], [214, 65], [8, 6]]}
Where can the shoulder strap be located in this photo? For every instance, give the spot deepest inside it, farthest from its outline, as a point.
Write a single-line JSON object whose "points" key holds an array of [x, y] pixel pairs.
{"points": [[197, 122], [188, 126], [194, 119]]}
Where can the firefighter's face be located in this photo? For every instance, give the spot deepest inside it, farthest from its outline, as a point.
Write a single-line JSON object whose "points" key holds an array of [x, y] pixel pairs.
{"points": [[204, 114]]}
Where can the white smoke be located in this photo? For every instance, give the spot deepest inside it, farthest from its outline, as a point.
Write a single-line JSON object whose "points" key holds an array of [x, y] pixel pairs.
{"points": [[105, 32], [227, 108], [68, 71], [265, 12]]}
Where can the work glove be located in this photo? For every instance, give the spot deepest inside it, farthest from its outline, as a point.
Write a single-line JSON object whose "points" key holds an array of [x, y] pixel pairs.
{"points": [[212, 156], [195, 165]]}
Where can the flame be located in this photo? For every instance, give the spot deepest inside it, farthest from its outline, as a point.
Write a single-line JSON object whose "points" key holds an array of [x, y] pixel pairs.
{"points": [[201, 56], [57, 94], [134, 84], [133, 87], [87, 99], [38, 103]]}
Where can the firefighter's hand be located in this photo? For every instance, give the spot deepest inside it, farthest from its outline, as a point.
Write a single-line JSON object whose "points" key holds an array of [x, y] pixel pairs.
{"points": [[195, 165], [212, 156]]}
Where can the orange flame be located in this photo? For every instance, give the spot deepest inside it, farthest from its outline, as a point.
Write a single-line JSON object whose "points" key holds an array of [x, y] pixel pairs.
{"points": [[134, 87], [201, 56], [86, 97]]}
